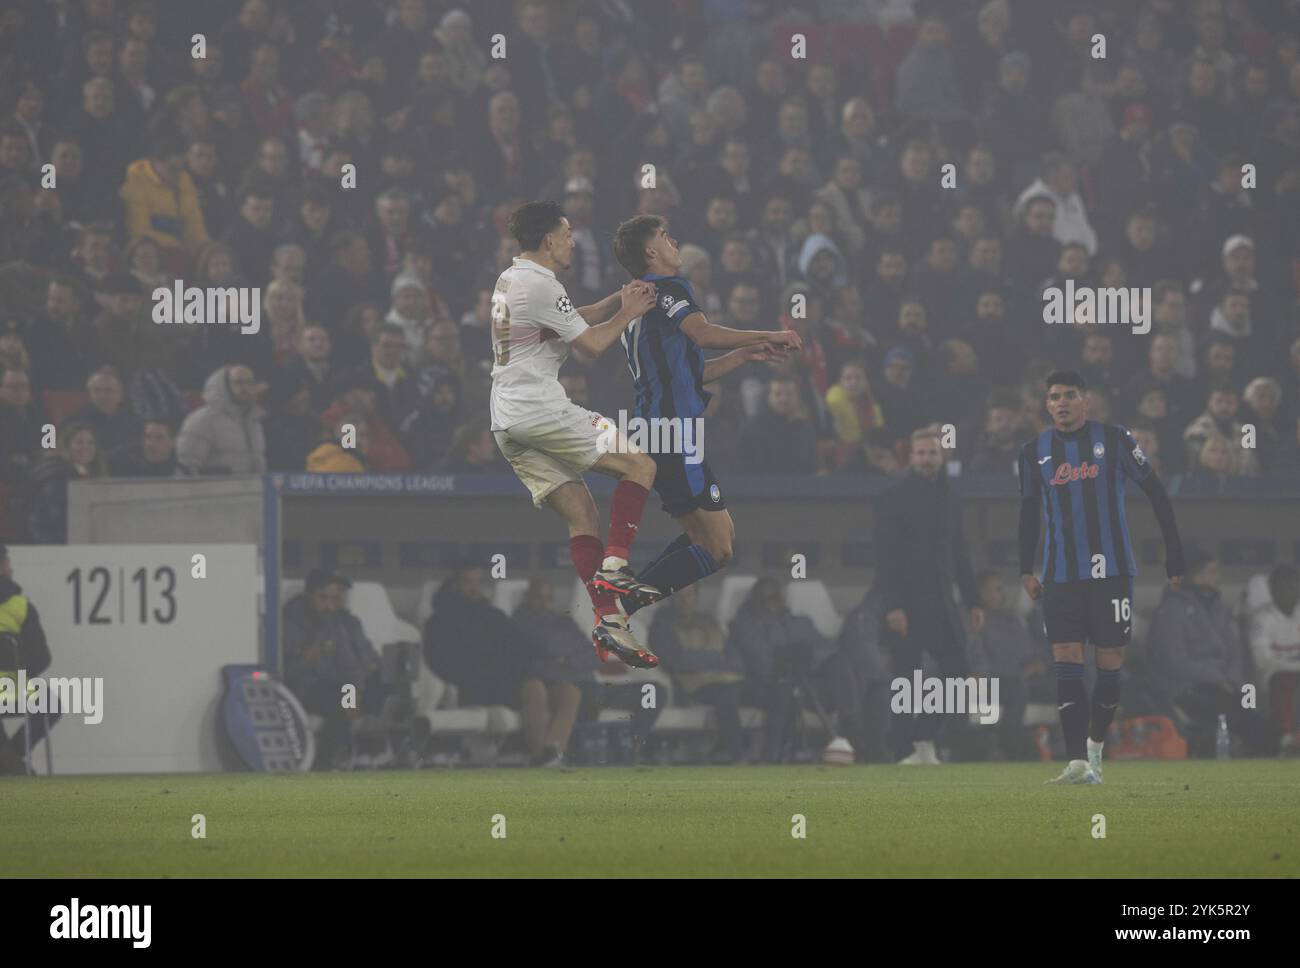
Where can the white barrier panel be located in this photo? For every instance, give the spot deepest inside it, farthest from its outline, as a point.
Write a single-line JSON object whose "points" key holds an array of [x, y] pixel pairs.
{"points": [[137, 617]]}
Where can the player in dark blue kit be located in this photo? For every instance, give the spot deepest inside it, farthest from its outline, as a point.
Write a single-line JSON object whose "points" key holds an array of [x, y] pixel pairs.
{"points": [[665, 352], [1074, 476]]}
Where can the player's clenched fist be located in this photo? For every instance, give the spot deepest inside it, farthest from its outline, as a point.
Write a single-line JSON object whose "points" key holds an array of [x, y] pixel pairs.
{"points": [[638, 297], [1033, 587]]}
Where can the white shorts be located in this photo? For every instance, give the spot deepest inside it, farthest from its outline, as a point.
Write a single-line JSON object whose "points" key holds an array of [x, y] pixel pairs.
{"points": [[554, 449]]}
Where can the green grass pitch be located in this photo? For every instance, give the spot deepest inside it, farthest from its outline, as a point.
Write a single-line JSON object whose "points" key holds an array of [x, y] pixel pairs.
{"points": [[1162, 819]]}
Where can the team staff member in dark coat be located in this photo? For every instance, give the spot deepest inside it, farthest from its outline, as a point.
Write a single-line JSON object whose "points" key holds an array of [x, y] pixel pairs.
{"points": [[21, 626], [920, 552]]}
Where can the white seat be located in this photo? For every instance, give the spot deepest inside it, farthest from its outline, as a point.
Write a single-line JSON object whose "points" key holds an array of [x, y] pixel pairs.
{"points": [[369, 602], [471, 720], [1256, 594], [733, 592], [502, 720], [429, 693], [809, 597]]}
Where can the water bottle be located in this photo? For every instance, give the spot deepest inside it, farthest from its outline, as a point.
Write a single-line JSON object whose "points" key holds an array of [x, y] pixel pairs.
{"points": [[1222, 741]]}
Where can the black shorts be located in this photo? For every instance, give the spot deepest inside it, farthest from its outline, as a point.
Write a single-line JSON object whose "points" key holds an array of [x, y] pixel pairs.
{"points": [[685, 487], [1097, 610]]}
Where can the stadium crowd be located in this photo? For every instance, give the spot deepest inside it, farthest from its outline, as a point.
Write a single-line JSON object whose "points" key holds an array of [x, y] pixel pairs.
{"points": [[903, 196], [355, 163]]}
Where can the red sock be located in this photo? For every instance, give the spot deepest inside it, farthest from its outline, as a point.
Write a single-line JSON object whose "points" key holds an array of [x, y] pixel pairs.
{"points": [[586, 552], [624, 517]]}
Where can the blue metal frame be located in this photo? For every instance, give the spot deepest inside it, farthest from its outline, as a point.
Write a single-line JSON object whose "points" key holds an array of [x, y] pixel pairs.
{"points": [[271, 574]]}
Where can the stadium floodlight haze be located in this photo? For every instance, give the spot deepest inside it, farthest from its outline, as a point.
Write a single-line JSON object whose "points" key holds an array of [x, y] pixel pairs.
{"points": [[522, 439]]}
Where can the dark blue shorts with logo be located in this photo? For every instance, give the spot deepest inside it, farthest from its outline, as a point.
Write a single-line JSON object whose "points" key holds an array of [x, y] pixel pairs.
{"points": [[685, 487]]}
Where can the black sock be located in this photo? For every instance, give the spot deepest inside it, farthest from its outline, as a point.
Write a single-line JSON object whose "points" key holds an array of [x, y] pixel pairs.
{"points": [[677, 570], [683, 540], [1072, 703], [1105, 699]]}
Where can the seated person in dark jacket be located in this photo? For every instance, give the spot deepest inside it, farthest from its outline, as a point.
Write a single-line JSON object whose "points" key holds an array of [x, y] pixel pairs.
{"points": [[562, 661], [694, 650], [1198, 657], [108, 412], [472, 645], [326, 649], [785, 652], [782, 438], [153, 455]]}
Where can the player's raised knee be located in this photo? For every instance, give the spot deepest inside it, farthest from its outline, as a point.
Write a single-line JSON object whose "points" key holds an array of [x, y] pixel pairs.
{"points": [[642, 469], [719, 550]]}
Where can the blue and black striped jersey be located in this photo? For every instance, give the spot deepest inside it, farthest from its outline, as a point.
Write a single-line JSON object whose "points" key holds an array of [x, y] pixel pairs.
{"points": [[1079, 480], [667, 367]]}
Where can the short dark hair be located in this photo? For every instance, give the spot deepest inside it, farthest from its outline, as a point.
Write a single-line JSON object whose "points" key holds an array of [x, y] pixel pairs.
{"points": [[531, 222], [255, 188], [1065, 378], [631, 239], [319, 578], [1279, 574], [1164, 287]]}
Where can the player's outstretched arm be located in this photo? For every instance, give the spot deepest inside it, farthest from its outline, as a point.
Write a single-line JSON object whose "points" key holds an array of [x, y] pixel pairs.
{"points": [[1164, 510], [707, 336], [720, 366], [636, 300]]}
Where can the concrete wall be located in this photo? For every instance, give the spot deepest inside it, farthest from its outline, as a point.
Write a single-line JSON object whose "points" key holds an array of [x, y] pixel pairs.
{"points": [[146, 511]]}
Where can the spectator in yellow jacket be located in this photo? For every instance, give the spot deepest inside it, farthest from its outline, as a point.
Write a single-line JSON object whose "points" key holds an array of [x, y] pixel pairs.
{"points": [[333, 458], [853, 410], [161, 202]]}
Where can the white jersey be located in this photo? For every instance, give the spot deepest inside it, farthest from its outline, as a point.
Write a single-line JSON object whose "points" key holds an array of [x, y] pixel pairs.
{"points": [[533, 323]]}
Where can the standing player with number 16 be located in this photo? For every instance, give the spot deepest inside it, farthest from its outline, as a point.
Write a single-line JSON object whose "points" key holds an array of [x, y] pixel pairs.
{"points": [[1075, 472]]}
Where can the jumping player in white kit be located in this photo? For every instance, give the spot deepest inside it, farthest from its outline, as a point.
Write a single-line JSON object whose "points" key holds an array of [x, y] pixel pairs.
{"points": [[549, 440]]}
